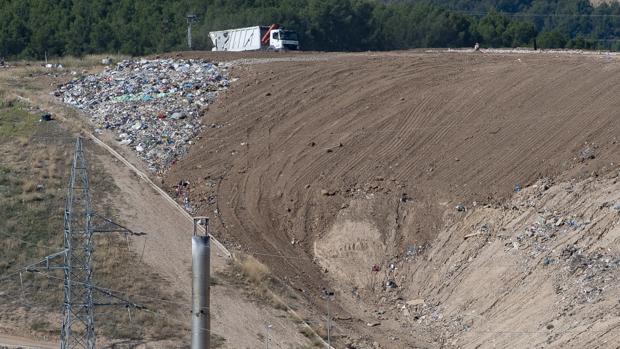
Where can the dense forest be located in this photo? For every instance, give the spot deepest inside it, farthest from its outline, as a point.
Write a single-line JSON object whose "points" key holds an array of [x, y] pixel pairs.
{"points": [[30, 28]]}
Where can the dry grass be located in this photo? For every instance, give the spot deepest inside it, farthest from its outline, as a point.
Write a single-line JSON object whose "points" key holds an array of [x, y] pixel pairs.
{"points": [[9, 244], [40, 326], [28, 71], [87, 61], [29, 186], [33, 179], [16, 122], [255, 278], [31, 79], [314, 336], [217, 341], [253, 270], [67, 62], [321, 330]]}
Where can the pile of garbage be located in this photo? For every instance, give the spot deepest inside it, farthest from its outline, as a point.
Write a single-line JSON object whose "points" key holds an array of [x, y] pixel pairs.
{"points": [[153, 106]]}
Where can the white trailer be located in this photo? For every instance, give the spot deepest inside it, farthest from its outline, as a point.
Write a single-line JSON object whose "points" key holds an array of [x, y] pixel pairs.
{"points": [[254, 38]]}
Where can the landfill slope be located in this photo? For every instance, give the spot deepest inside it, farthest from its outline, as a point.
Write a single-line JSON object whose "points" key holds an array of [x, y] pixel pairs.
{"points": [[394, 140], [542, 271]]}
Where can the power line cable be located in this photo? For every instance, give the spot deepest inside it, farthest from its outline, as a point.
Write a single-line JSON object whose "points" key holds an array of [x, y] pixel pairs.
{"points": [[159, 314], [131, 294], [529, 14], [25, 267], [30, 242], [125, 293]]}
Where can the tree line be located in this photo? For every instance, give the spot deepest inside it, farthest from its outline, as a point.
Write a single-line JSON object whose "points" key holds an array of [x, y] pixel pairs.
{"points": [[33, 28]]}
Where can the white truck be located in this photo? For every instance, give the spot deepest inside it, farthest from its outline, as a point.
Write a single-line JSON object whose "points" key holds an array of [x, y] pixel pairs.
{"points": [[254, 38]]}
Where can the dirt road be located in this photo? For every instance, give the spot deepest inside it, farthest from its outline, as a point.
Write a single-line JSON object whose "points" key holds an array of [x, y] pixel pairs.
{"points": [[19, 342]]}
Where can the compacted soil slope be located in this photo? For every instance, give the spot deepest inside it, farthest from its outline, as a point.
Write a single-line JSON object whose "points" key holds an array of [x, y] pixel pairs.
{"points": [[391, 142]]}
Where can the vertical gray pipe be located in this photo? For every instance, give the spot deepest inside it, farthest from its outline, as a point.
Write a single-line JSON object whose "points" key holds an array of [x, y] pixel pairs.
{"points": [[201, 252]]}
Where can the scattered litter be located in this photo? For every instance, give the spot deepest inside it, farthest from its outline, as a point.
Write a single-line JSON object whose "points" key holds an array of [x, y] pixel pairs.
{"points": [[548, 261], [56, 66], [328, 292], [182, 191], [404, 197], [473, 234], [587, 152], [155, 104], [326, 192], [517, 188], [411, 250], [415, 250], [391, 284], [46, 117]]}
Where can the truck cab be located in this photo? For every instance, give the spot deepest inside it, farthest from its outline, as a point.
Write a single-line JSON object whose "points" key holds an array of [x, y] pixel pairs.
{"points": [[280, 39]]}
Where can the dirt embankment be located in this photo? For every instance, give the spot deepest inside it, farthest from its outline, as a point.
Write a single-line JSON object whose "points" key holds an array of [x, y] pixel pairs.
{"points": [[540, 272], [394, 141]]}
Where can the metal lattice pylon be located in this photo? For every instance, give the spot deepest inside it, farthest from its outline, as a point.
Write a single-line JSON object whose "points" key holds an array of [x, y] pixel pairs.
{"points": [[78, 326]]}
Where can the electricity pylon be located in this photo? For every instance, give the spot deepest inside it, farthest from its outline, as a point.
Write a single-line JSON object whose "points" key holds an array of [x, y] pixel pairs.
{"points": [[78, 325]]}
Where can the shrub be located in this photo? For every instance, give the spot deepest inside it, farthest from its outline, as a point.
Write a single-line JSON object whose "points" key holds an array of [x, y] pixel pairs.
{"points": [[253, 270]]}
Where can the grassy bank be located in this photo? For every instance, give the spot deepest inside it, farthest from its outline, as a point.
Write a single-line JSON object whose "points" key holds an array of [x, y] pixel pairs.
{"points": [[34, 171]]}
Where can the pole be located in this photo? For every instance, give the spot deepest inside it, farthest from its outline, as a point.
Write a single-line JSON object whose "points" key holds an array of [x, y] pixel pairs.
{"points": [[201, 254], [267, 327], [329, 325], [191, 18], [189, 35]]}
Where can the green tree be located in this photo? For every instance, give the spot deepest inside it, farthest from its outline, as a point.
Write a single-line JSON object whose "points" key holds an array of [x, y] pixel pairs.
{"points": [[32, 28], [551, 39], [492, 30], [520, 33], [581, 43]]}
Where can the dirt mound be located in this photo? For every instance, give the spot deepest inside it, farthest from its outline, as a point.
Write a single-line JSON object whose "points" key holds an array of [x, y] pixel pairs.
{"points": [[393, 140], [540, 272]]}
